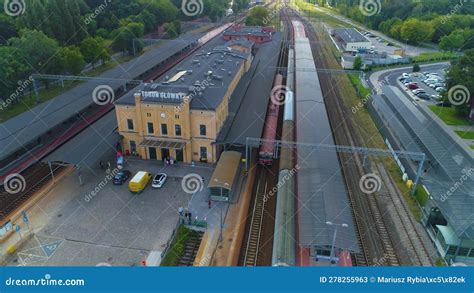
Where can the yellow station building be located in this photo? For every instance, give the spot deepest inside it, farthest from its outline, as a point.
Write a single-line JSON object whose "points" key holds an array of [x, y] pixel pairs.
{"points": [[180, 115]]}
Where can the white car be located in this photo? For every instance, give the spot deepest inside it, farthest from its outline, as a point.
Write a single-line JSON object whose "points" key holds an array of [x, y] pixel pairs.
{"points": [[440, 89], [405, 75], [159, 180], [417, 91]]}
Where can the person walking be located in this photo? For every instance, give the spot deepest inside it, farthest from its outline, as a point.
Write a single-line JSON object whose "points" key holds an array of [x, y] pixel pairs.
{"points": [[101, 165]]}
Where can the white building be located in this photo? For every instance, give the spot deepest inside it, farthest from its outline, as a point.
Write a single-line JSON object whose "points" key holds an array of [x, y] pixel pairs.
{"points": [[351, 39]]}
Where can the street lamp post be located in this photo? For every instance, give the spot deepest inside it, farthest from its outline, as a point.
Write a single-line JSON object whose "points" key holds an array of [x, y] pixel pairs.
{"points": [[333, 247]]}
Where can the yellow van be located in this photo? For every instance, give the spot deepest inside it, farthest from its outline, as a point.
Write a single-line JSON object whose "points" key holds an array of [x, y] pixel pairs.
{"points": [[139, 181]]}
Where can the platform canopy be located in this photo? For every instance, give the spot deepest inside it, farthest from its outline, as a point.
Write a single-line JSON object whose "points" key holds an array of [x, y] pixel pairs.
{"points": [[225, 175]]}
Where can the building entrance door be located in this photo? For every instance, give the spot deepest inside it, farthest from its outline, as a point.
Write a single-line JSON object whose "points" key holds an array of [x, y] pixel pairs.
{"points": [[152, 152], [165, 153], [179, 155]]}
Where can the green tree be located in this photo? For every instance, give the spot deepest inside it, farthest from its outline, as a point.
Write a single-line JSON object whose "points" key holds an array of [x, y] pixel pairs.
{"points": [[257, 16], [12, 70], [38, 49], [415, 31], [461, 73], [452, 42], [7, 28], [71, 60], [416, 68], [125, 35], [357, 63], [94, 50]]}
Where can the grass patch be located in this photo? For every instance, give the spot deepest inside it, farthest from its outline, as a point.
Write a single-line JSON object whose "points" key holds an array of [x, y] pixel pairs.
{"points": [[421, 195], [362, 91], [449, 115], [435, 56], [466, 134], [472, 146], [176, 249]]}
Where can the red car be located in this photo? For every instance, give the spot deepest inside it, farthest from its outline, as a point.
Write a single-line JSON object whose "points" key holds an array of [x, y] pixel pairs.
{"points": [[412, 86]]}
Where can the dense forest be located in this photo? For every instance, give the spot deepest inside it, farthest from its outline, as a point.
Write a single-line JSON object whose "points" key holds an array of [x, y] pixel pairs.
{"points": [[449, 23], [62, 36]]}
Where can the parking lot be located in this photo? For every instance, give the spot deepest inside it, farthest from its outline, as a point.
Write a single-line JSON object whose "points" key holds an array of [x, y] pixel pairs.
{"points": [[432, 95], [380, 45], [99, 223]]}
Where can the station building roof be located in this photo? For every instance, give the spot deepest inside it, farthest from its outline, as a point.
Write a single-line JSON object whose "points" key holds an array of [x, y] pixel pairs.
{"points": [[350, 35], [204, 77], [226, 171]]}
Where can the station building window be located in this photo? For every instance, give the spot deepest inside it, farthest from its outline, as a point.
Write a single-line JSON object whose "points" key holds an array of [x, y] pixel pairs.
{"points": [[164, 129], [202, 130], [151, 129], [177, 129], [130, 124]]}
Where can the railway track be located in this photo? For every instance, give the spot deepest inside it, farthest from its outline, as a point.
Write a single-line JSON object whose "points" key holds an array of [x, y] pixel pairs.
{"points": [[36, 177], [258, 238], [253, 244], [418, 254]]}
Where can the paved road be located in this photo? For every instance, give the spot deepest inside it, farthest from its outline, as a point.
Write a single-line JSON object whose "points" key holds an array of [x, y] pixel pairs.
{"points": [[409, 49]]}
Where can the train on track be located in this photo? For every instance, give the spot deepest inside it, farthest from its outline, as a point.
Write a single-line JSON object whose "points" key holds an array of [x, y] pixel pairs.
{"points": [[284, 244], [267, 150]]}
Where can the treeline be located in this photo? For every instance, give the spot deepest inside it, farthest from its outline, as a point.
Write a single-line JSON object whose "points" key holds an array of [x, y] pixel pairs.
{"points": [[449, 23], [62, 36]]}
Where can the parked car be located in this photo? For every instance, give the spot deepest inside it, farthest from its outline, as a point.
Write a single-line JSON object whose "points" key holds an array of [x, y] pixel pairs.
{"points": [[418, 91], [440, 89], [139, 181], [436, 97], [159, 180], [412, 86], [443, 104], [405, 75], [122, 177], [423, 96]]}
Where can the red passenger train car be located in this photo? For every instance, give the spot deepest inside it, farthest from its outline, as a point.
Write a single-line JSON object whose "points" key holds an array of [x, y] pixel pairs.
{"points": [[266, 152]]}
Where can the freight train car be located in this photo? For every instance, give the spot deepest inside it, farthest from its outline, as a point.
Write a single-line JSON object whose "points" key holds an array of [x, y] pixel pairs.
{"points": [[267, 149]]}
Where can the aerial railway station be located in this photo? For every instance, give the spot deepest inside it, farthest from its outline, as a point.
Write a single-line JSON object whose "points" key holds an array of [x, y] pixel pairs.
{"points": [[285, 164]]}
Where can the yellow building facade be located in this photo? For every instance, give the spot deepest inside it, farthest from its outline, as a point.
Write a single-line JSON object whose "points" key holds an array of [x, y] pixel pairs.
{"points": [[171, 127]]}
